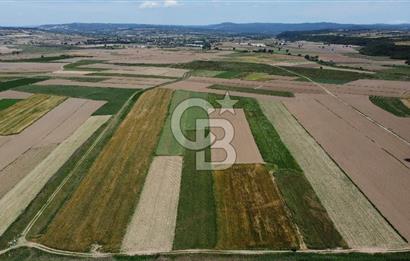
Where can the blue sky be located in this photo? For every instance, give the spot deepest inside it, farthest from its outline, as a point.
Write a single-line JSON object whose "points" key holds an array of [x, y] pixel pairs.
{"points": [[36, 12]]}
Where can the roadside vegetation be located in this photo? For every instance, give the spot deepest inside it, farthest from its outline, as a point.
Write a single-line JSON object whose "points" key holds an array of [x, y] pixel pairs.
{"points": [[391, 104], [131, 75], [115, 97], [252, 90]]}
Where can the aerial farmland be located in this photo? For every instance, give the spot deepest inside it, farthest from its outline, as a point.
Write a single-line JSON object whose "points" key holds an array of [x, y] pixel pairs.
{"points": [[121, 152]]}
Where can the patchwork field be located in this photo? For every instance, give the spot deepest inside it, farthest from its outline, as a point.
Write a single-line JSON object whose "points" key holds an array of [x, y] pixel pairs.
{"points": [[54, 127], [359, 223], [17, 199], [152, 226], [16, 118], [250, 212], [102, 206], [127, 83], [381, 177]]}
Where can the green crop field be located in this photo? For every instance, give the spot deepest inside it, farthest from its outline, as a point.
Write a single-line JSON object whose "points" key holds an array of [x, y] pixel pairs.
{"points": [[196, 221], [392, 105], [115, 97], [20, 82], [5, 103]]}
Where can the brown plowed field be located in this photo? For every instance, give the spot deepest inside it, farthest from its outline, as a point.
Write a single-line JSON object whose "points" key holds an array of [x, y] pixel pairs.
{"points": [[102, 206], [250, 211], [73, 110], [359, 223], [30, 67], [373, 87], [399, 125], [243, 142], [9, 94], [142, 70], [17, 170], [386, 141], [382, 178]]}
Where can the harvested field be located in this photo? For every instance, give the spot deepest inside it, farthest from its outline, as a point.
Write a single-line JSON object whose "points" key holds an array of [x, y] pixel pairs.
{"points": [[400, 126], [243, 142], [152, 226], [381, 177], [54, 127], [359, 223], [406, 102], [17, 199], [250, 211], [29, 67], [9, 94], [128, 83], [101, 207], [16, 118]]}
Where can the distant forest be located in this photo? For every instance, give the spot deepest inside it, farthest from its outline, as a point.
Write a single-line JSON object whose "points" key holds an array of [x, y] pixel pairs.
{"points": [[382, 46]]}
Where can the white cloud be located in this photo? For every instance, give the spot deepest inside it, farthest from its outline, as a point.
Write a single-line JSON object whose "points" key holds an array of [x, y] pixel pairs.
{"points": [[170, 3], [155, 4], [149, 4]]}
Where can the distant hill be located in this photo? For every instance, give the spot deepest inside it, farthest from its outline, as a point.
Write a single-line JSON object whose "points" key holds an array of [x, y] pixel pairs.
{"points": [[225, 28]]}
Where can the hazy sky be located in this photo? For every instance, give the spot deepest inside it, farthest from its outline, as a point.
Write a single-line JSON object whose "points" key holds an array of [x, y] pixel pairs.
{"points": [[36, 12]]}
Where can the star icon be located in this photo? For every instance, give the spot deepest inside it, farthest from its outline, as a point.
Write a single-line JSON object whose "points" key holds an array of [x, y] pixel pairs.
{"points": [[227, 104]]}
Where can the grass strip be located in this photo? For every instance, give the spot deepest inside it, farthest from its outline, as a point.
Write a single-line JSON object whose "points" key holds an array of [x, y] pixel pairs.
{"points": [[5, 103], [391, 104], [252, 90], [20, 82], [115, 97], [101, 207], [196, 220], [75, 66]]}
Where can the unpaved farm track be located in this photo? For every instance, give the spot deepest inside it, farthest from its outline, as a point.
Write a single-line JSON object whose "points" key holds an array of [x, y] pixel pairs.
{"points": [[355, 218], [16, 200], [152, 226]]}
